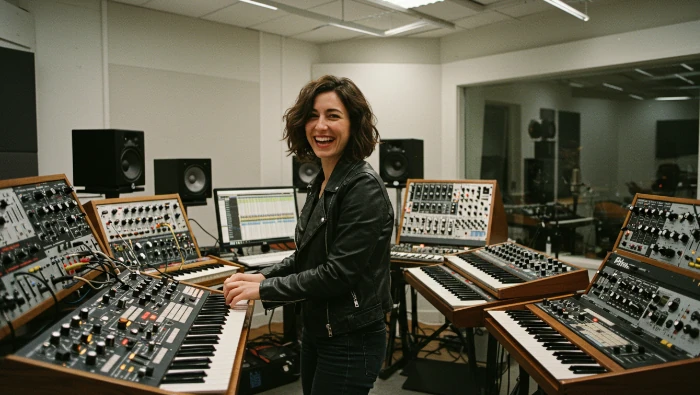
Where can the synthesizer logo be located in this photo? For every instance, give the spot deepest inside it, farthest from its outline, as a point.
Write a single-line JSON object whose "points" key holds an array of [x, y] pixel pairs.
{"points": [[621, 263]]}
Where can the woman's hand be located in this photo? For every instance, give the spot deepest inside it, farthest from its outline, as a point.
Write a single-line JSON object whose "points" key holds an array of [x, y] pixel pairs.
{"points": [[241, 286]]}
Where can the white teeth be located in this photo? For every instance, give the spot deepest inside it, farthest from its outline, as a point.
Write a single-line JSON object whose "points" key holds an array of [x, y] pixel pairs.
{"points": [[324, 139]]}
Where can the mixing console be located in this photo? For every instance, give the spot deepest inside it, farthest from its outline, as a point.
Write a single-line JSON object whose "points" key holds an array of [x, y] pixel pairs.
{"points": [[43, 230], [455, 213], [154, 332], [664, 229]]}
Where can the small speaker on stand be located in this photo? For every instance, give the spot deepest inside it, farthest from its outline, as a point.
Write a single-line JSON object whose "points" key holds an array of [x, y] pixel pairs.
{"points": [[108, 161], [190, 178], [303, 173]]}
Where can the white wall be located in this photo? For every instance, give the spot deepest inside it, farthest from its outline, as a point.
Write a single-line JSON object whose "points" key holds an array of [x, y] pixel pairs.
{"points": [[614, 50], [16, 27]]}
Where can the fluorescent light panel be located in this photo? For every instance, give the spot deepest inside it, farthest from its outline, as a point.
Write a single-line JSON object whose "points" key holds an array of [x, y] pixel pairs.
{"points": [[567, 8], [611, 86], [685, 79], [669, 98], [685, 66], [406, 28], [636, 97], [576, 85], [642, 72], [259, 4], [411, 3], [355, 29]]}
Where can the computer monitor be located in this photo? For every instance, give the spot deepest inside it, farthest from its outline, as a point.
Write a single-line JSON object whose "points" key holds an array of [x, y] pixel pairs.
{"points": [[255, 216]]}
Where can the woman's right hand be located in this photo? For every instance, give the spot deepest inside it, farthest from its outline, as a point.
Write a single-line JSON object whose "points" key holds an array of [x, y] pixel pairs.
{"points": [[257, 278]]}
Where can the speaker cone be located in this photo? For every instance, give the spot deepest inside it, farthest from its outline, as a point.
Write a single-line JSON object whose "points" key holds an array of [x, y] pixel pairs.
{"points": [[195, 179], [131, 164], [308, 171], [395, 164]]}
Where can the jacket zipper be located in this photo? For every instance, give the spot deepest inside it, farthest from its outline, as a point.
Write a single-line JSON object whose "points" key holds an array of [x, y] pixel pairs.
{"points": [[354, 298], [325, 242]]}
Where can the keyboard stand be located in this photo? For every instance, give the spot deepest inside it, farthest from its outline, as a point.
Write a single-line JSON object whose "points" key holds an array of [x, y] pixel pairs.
{"points": [[398, 317]]}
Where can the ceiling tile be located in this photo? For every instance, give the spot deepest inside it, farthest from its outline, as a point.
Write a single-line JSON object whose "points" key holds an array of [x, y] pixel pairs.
{"points": [[387, 21], [133, 2], [305, 4], [245, 15], [352, 11], [526, 8], [288, 25], [447, 10], [190, 8], [326, 34], [433, 33], [484, 18]]}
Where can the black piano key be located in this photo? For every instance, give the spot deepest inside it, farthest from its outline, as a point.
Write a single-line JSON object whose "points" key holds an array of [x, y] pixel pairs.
{"points": [[585, 369], [195, 353], [559, 346], [184, 377], [579, 361]]}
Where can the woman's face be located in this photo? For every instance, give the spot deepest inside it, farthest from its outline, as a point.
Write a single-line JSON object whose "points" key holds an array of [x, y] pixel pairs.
{"points": [[328, 127]]}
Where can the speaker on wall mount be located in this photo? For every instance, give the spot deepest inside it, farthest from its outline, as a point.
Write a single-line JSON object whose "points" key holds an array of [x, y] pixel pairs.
{"points": [[108, 161], [400, 160], [303, 172], [190, 178]]}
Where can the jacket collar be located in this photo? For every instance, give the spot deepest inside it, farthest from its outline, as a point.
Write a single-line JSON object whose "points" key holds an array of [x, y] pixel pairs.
{"points": [[340, 172]]}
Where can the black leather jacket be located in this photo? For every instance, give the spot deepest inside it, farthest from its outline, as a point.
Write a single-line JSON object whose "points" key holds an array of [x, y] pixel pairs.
{"points": [[340, 269]]}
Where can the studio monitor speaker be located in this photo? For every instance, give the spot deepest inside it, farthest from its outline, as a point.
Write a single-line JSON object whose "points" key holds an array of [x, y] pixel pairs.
{"points": [[303, 173], [190, 178], [400, 160], [108, 158]]}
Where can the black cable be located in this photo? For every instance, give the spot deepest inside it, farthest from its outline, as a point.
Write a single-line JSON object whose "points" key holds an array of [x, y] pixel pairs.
{"points": [[205, 231], [12, 329], [269, 322], [55, 299]]}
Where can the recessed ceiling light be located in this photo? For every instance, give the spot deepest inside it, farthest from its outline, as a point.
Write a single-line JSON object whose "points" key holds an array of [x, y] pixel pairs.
{"points": [[636, 97], [642, 72], [576, 85], [685, 66], [412, 3], [355, 29], [567, 8], [685, 79], [611, 86], [669, 98]]}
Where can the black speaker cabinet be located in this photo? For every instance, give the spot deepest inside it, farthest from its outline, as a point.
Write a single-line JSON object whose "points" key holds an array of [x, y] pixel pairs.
{"points": [[304, 173], [400, 160], [191, 178], [108, 159]]}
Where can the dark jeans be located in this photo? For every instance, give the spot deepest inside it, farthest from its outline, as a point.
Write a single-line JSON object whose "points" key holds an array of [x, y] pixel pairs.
{"points": [[342, 365]]}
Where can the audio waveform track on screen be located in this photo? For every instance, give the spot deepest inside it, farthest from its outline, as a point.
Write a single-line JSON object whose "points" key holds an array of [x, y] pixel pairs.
{"points": [[256, 215]]}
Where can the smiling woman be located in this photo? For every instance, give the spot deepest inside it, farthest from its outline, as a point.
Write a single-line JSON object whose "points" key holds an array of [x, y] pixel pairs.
{"points": [[339, 273]]}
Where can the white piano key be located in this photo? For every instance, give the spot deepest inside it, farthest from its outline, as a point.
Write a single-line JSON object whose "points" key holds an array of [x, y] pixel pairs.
{"points": [[546, 358], [207, 274], [221, 366], [478, 274], [441, 291]]}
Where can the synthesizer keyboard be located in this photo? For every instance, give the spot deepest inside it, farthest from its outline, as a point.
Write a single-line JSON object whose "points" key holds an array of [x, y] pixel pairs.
{"points": [[637, 328], [510, 270], [406, 253], [140, 335], [458, 299], [261, 260], [206, 272]]}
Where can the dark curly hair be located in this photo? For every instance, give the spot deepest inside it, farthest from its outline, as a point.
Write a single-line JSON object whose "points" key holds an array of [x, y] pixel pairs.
{"points": [[363, 132]]}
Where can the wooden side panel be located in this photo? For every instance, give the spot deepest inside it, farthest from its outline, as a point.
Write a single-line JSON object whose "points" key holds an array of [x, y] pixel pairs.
{"points": [[498, 223]]}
